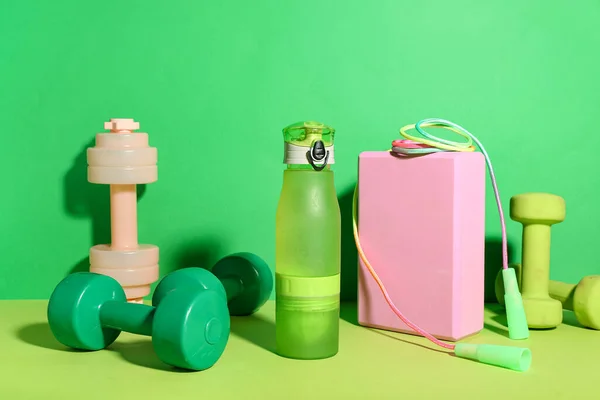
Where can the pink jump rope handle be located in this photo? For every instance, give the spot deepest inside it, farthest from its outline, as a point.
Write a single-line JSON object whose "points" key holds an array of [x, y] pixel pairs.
{"points": [[123, 159]]}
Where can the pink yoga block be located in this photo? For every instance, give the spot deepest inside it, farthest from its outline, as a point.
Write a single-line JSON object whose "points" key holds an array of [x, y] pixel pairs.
{"points": [[421, 224]]}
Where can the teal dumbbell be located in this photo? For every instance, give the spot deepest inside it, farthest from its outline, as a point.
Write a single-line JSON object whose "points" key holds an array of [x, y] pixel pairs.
{"points": [[189, 326], [247, 281], [189, 317]]}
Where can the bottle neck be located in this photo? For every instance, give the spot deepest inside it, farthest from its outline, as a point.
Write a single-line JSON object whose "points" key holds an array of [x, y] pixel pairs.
{"points": [[305, 167], [299, 156]]}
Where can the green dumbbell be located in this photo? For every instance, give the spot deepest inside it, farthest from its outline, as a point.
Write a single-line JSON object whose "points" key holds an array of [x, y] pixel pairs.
{"points": [[583, 298], [538, 212], [246, 278], [189, 323]]}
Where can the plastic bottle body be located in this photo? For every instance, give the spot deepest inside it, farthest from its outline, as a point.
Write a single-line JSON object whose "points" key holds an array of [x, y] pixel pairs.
{"points": [[307, 252]]}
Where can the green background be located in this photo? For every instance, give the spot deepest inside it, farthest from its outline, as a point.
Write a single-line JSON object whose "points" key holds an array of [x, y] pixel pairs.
{"points": [[213, 83]]}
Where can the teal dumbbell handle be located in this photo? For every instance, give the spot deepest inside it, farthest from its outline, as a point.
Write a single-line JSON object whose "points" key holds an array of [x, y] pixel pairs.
{"points": [[247, 280], [233, 287], [127, 317]]}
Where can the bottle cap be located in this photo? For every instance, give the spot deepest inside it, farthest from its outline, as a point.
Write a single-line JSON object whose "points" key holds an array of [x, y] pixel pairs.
{"points": [[309, 142]]}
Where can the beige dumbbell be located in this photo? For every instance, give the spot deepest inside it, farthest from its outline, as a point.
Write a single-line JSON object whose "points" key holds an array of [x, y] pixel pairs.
{"points": [[123, 159]]}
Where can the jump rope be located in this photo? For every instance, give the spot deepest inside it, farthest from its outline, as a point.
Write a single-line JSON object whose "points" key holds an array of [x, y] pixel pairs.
{"points": [[497, 355]]}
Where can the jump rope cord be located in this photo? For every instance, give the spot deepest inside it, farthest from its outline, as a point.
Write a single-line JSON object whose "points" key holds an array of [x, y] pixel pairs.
{"points": [[420, 146]]}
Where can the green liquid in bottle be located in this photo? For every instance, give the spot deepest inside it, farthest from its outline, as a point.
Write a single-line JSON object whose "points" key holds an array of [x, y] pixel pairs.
{"points": [[307, 264]]}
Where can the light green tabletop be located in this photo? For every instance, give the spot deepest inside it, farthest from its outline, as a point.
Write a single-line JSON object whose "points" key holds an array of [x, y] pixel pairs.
{"points": [[371, 364]]}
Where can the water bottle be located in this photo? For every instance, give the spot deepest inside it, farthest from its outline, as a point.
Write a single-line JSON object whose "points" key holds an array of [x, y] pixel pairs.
{"points": [[308, 246]]}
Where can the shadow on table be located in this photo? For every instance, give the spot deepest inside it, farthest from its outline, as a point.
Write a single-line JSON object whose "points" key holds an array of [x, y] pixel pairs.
{"points": [[139, 353], [349, 313], [40, 335], [255, 329], [142, 353], [501, 327], [496, 319], [349, 256], [569, 318]]}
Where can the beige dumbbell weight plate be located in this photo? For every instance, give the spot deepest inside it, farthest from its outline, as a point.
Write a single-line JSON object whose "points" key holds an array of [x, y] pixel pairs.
{"points": [[136, 292], [130, 277], [122, 159], [103, 256], [127, 140], [123, 176], [129, 267], [142, 157]]}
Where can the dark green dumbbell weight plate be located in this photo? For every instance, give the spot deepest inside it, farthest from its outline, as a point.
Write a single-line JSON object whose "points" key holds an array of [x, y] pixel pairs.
{"points": [[74, 310], [191, 328], [256, 278], [197, 279]]}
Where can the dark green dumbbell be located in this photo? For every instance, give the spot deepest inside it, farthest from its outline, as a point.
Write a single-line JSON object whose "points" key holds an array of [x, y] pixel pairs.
{"points": [[247, 281], [188, 321]]}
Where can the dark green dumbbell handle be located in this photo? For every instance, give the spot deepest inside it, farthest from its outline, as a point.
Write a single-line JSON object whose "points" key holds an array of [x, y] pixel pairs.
{"points": [[129, 317], [233, 287], [247, 280]]}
